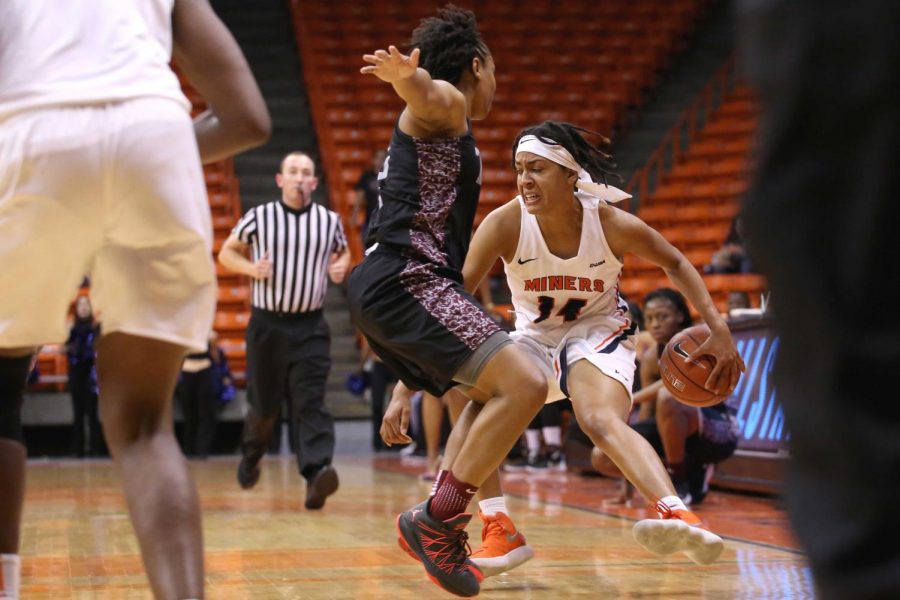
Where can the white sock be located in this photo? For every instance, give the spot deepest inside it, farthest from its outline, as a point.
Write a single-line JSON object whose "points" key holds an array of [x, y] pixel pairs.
{"points": [[673, 502], [553, 435], [9, 576], [533, 440], [492, 506]]}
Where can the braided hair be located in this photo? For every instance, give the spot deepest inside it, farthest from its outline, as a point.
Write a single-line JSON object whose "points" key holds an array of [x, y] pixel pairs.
{"points": [[448, 42], [556, 133]]}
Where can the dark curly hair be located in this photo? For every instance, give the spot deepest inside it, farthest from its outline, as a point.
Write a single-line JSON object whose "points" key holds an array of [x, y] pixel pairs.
{"points": [[448, 42], [677, 301], [594, 160]]}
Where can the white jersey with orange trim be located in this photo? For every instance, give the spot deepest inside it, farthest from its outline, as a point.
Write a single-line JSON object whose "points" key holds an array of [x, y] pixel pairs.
{"points": [[106, 51], [553, 296], [569, 309]]}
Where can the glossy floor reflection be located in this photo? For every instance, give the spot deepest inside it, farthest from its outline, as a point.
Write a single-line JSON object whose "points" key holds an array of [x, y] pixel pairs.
{"points": [[78, 542]]}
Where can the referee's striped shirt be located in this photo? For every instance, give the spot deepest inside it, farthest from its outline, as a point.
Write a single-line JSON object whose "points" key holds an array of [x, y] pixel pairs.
{"points": [[300, 244]]}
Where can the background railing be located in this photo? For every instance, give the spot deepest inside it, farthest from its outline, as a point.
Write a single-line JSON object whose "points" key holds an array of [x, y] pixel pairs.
{"points": [[692, 120]]}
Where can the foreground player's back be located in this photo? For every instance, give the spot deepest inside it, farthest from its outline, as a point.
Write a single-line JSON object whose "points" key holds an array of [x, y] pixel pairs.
{"points": [[99, 51]]}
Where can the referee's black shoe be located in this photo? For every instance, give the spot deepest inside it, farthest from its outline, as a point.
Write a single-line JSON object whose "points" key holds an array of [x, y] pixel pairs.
{"points": [[248, 470], [321, 485]]}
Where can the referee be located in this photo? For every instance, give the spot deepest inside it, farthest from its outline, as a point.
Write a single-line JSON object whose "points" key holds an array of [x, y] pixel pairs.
{"points": [[293, 243]]}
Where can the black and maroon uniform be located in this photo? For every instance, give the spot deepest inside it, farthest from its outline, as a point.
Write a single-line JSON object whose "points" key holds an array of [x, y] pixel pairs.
{"points": [[407, 295]]}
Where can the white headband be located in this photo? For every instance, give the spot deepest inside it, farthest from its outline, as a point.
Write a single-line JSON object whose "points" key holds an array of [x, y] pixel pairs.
{"points": [[558, 154]]}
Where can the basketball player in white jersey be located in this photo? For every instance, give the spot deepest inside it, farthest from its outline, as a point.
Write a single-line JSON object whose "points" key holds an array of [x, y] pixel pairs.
{"points": [[100, 174], [562, 246]]}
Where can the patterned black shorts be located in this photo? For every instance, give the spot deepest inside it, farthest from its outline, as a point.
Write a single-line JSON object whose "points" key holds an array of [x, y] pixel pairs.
{"points": [[417, 318]]}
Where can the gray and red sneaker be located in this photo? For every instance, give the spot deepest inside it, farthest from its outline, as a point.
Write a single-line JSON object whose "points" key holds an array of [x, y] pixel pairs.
{"points": [[442, 547]]}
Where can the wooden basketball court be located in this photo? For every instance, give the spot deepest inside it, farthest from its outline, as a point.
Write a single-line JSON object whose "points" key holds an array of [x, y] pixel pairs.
{"points": [[77, 540]]}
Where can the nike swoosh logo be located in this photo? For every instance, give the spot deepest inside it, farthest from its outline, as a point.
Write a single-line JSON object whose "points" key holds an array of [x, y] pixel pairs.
{"points": [[677, 349], [468, 491], [522, 262], [681, 351], [512, 537], [597, 264]]}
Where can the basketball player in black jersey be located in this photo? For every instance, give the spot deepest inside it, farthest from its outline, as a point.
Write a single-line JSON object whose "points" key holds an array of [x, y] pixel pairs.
{"points": [[407, 295]]}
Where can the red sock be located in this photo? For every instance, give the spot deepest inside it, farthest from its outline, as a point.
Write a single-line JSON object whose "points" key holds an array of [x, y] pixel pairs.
{"points": [[451, 499], [438, 480]]}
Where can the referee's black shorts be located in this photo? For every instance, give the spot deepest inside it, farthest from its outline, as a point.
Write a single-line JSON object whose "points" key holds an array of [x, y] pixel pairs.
{"points": [[421, 322]]}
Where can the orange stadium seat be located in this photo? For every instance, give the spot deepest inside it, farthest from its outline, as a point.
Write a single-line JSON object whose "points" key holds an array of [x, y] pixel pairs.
{"points": [[663, 215], [228, 324], [609, 67], [52, 367], [228, 278], [698, 199], [234, 298]]}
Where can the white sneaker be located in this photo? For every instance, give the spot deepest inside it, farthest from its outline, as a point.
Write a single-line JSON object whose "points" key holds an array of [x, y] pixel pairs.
{"points": [[679, 531]]}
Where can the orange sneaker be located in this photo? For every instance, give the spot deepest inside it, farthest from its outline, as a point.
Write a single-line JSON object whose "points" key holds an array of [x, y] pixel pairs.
{"points": [[678, 531], [503, 548]]}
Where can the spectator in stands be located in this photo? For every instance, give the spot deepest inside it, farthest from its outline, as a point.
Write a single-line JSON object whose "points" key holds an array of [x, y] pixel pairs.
{"points": [[81, 358], [288, 340], [689, 439], [97, 148], [731, 257], [738, 300], [827, 245], [199, 392], [367, 194]]}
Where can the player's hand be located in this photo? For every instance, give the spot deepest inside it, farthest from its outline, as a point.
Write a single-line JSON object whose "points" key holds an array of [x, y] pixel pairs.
{"points": [[337, 268], [729, 364], [391, 65], [395, 423], [262, 269]]}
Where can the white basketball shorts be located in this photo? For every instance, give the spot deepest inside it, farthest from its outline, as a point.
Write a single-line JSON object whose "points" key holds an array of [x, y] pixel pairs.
{"points": [[115, 192], [599, 346]]}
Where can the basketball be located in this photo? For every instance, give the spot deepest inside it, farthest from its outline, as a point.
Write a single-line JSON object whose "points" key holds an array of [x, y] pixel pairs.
{"points": [[685, 377]]}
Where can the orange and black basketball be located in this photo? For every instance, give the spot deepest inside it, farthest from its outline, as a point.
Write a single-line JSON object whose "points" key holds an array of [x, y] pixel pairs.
{"points": [[685, 377]]}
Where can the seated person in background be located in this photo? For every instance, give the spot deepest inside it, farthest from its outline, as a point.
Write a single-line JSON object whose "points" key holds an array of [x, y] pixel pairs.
{"points": [[367, 194], [738, 302], [731, 257], [690, 440]]}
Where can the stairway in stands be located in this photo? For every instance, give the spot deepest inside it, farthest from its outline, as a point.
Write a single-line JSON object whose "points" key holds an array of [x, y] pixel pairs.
{"points": [[263, 30], [690, 71]]}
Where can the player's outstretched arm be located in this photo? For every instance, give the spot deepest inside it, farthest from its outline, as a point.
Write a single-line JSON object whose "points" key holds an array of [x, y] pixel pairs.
{"points": [[205, 50], [434, 104]]}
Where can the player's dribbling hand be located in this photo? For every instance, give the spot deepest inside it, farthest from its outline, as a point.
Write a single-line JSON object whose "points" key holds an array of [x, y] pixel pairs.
{"points": [[391, 65], [395, 423], [262, 269], [729, 365]]}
